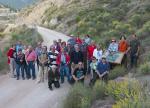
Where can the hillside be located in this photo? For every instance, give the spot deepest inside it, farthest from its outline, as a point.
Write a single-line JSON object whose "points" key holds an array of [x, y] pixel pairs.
{"points": [[99, 18], [17, 4]]}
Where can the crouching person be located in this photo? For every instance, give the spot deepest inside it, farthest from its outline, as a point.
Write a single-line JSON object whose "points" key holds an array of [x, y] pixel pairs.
{"points": [[103, 68], [53, 77], [78, 74]]}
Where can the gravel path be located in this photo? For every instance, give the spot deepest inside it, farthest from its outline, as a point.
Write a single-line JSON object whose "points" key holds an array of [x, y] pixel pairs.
{"points": [[28, 94]]}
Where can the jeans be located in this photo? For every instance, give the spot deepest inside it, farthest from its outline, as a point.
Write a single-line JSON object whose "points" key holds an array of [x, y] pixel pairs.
{"points": [[64, 70], [42, 74], [12, 67], [18, 68], [133, 58], [31, 66]]}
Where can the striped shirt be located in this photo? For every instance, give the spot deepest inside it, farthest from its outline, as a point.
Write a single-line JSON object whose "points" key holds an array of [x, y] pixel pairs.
{"points": [[52, 56]]}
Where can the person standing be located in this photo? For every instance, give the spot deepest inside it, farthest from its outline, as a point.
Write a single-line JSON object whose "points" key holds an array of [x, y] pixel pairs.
{"points": [[43, 65], [31, 58], [76, 57], [113, 47], [53, 77], [63, 60], [20, 63], [90, 50], [123, 47], [87, 39], [11, 61], [56, 45], [52, 56], [98, 52], [38, 51], [134, 49], [19, 46]]}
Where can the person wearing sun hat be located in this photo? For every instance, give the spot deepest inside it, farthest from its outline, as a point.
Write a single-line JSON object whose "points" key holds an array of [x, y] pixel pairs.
{"points": [[113, 47]]}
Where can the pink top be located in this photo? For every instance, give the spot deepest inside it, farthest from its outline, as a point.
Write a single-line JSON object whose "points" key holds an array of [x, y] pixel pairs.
{"points": [[31, 56]]}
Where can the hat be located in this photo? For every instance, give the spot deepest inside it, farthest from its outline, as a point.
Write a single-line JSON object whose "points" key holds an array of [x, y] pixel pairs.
{"points": [[103, 57]]}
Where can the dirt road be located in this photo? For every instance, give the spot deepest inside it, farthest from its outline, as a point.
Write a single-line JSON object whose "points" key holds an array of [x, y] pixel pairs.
{"points": [[28, 94]]}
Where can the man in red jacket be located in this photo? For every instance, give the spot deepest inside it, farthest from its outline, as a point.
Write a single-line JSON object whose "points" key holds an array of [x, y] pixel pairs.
{"points": [[11, 61], [63, 59]]}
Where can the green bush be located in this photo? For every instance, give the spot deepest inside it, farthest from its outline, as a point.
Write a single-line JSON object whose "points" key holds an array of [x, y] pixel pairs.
{"points": [[138, 96], [98, 91], [124, 89], [130, 103], [3, 59], [78, 97], [144, 69], [26, 35], [117, 72]]}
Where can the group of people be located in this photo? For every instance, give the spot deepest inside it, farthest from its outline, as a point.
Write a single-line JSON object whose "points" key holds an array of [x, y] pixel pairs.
{"points": [[74, 59]]}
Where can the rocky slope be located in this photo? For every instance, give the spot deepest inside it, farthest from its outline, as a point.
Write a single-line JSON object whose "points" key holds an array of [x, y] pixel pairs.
{"points": [[101, 18]]}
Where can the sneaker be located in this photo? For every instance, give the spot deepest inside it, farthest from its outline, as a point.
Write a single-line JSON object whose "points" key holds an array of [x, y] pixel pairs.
{"points": [[33, 78], [23, 78], [17, 78], [62, 81]]}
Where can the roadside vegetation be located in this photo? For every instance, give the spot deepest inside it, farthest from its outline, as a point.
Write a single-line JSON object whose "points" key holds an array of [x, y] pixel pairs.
{"points": [[128, 93], [24, 34]]}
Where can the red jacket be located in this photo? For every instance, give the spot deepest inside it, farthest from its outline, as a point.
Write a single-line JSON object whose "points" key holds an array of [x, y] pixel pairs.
{"points": [[90, 50], [58, 60], [78, 40], [10, 54]]}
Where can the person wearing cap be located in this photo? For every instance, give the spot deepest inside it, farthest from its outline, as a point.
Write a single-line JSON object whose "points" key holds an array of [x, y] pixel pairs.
{"points": [[53, 77], [20, 63], [103, 68], [52, 56], [43, 65], [113, 47], [63, 60], [93, 66]]}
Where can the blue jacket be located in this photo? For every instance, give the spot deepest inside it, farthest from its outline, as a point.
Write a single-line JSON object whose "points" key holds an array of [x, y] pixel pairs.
{"points": [[101, 67]]}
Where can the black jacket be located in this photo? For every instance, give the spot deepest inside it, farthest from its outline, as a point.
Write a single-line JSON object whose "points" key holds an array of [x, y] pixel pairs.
{"points": [[76, 57]]}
